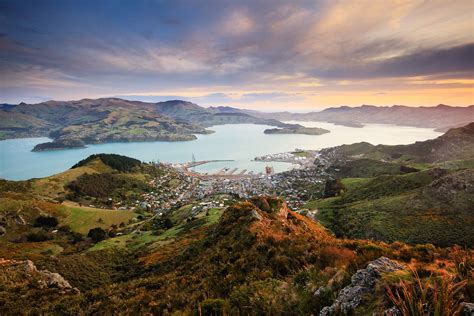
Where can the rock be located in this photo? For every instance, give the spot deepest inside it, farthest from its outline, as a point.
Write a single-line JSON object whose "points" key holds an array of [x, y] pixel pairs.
{"points": [[54, 280], [256, 215], [3, 231], [467, 309], [27, 272], [362, 283], [21, 220], [392, 312]]}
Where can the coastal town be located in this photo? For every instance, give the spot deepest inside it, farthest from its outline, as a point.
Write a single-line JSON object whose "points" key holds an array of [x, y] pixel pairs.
{"points": [[179, 185]]}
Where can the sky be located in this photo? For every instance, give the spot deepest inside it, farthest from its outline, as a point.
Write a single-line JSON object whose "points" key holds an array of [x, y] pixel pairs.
{"points": [[265, 55]]}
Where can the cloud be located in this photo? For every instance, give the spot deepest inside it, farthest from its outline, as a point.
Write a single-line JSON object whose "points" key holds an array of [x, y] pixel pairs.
{"points": [[454, 60], [251, 51], [237, 23]]}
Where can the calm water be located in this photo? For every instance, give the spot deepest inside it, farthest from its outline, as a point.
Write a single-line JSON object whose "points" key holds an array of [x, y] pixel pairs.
{"points": [[240, 143]]}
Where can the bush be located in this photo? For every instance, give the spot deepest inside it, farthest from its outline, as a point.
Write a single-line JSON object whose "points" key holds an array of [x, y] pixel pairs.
{"points": [[97, 234], [333, 188], [38, 236], [427, 297], [46, 221], [167, 224], [333, 256], [214, 307]]}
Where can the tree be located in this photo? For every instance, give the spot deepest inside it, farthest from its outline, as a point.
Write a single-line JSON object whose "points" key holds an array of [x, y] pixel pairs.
{"points": [[46, 221], [167, 224], [333, 188], [97, 234]]}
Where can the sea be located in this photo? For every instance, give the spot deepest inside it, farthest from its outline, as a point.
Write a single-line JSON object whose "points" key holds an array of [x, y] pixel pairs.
{"points": [[238, 143]]}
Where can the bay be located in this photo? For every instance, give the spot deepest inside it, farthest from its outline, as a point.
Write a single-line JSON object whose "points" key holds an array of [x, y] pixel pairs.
{"points": [[240, 143]]}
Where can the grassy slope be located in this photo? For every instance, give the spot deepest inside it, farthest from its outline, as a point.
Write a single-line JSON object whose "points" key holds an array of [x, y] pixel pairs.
{"points": [[403, 207], [82, 219], [181, 227], [53, 186]]}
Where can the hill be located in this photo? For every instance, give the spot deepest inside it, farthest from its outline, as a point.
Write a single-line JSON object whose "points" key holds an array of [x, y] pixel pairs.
{"points": [[441, 117], [455, 144], [404, 192], [415, 208], [258, 256], [193, 113], [220, 254], [73, 124]]}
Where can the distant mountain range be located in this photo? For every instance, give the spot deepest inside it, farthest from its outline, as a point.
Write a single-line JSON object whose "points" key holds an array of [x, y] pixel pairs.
{"points": [[441, 117], [76, 123]]}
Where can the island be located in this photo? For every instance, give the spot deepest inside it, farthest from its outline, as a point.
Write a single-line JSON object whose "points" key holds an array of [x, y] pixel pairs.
{"points": [[60, 144], [297, 130]]}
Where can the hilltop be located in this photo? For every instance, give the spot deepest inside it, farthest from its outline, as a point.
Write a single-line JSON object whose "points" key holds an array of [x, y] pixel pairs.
{"points": [[193, 113]]}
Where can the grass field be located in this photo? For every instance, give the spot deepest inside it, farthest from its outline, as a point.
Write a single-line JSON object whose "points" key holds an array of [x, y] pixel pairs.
{"points": [[82, 219], [353, 183], [130, 241], [53, 186], [182, 227]]}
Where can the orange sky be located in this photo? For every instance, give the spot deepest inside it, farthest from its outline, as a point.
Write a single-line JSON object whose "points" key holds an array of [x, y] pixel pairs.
{"points": [[268, 55]]}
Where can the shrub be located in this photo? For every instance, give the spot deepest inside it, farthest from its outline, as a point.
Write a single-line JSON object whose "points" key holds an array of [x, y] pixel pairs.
{"points": [[333, 188], [97, 234], [214, 307], [38, 236], [167, 223], [333, 256], [46, 221], [425, 253], [427, 297], [464, 262], [76, 237]]}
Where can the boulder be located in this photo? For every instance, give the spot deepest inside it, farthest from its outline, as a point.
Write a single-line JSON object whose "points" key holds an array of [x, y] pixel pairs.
{"points": [[362, 283], [467, 309]]}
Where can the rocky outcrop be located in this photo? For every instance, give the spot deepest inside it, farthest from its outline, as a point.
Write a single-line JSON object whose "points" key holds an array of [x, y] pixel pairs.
{"points": [[467, 309], [362, 283], [20, 273], [452, 187]]}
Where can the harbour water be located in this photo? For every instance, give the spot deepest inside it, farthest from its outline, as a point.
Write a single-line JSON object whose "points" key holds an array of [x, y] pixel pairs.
{"points": [[240, 143]]}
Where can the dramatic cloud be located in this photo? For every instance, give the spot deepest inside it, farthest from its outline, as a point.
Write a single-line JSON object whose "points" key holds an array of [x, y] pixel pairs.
{"points": [[268, 54]]}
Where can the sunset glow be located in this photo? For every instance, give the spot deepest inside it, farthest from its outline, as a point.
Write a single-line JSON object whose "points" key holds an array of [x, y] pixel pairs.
{"points": [[268, 55]]}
